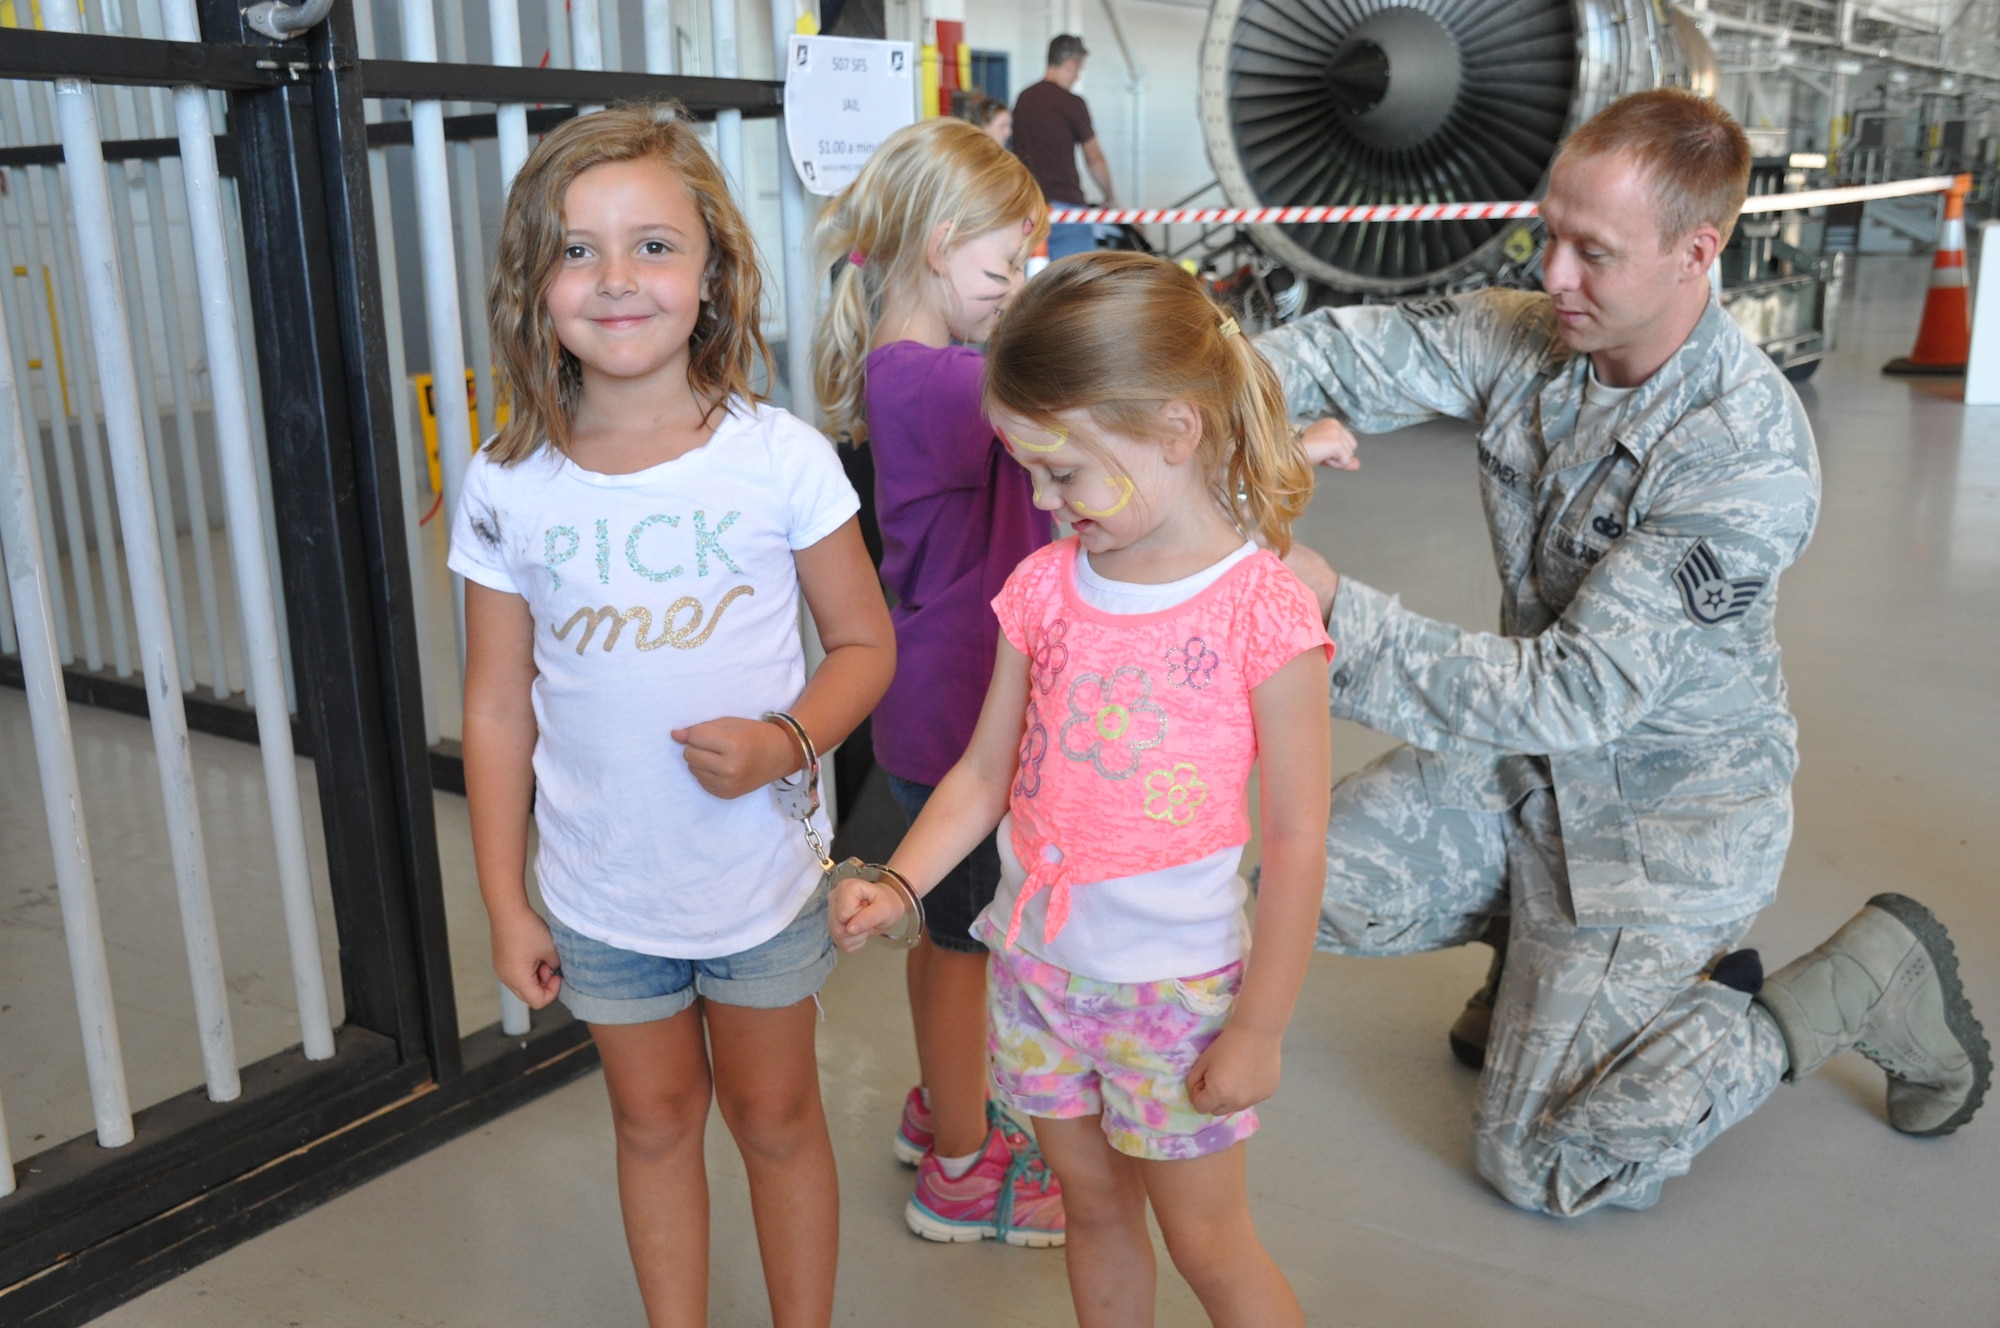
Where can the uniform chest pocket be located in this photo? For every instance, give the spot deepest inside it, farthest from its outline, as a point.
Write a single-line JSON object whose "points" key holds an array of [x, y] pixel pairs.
{"points": [[1595, 518]]}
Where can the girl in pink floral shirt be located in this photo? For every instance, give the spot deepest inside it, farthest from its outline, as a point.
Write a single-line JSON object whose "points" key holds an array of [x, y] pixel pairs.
{"points": [[1146, 664]]}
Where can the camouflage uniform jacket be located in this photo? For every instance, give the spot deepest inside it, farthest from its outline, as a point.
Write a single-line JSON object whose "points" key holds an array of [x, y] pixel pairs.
{"points": [[1636, 667]]}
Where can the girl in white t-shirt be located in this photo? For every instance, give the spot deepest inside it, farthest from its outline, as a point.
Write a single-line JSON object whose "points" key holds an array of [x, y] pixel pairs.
{"points": [[634, 542]]}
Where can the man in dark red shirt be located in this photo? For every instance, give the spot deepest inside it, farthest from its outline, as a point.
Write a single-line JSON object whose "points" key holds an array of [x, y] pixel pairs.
{"points": [[1050, 124]]}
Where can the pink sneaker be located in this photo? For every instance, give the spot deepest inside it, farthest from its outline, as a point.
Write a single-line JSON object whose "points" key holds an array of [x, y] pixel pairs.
{"points": [[913, 1135], [1009, 1194]]}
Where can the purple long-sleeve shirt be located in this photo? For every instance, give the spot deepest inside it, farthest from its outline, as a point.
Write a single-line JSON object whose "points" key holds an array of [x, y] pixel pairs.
{"points": [[956, 515]]}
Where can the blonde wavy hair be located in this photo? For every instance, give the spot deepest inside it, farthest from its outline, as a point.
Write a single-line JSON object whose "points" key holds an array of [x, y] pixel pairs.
{"points": [[1117, 335], [540, 379], [934, 174]]}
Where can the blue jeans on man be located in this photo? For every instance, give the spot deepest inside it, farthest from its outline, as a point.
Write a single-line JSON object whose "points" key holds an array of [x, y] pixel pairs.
{"points": [[1068, 237]]}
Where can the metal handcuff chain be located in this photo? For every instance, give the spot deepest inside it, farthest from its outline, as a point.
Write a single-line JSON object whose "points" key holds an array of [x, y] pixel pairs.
{"points": [[799, 795]]}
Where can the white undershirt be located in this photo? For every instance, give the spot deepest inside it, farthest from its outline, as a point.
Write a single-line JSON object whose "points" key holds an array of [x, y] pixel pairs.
{"points": [[1175, 923], [1600, 403]]}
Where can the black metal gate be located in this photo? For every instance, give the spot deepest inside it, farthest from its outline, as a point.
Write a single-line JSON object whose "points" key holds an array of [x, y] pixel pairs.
{"points": [[89, 1226]]}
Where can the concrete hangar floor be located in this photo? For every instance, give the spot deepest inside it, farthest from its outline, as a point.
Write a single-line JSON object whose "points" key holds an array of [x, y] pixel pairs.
{"points": [[1811, 1212]]}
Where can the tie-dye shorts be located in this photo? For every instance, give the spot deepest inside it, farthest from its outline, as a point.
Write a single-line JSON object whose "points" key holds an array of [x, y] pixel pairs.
{"points": [[1066, 1046]]}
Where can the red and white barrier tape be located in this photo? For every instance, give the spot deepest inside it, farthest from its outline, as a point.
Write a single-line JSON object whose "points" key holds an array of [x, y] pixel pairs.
{"points": [[1302, 215], [1935, 184]]}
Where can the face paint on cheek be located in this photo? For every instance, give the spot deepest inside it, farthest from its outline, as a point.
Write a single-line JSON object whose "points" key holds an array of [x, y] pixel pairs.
{"points": [[1118, 482]]}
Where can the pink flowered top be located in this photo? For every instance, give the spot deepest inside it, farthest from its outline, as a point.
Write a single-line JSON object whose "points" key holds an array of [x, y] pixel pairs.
{"points": [[1140, 739]]}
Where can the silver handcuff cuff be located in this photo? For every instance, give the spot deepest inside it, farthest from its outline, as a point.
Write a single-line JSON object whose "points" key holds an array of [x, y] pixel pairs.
{"points": [[799, 796]]}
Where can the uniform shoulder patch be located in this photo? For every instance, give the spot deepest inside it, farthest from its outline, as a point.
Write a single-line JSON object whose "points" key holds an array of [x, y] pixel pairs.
{"points": [[1710, 596]]}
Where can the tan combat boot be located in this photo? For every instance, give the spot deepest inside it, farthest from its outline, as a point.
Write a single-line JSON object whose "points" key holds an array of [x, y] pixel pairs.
{"points": [[1886, 984]]}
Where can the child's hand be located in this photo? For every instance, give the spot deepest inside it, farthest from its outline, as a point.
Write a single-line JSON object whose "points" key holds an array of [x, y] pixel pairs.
{"points": [[860, 909], [524, 958], [1328, 443], [1239, 1070], [729, 757]]}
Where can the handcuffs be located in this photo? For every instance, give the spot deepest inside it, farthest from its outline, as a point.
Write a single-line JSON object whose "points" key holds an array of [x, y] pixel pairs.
{"points": [[799, 796]]}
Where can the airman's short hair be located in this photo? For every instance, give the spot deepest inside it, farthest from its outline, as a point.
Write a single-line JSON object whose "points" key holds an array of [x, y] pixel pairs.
{"points": [[1694, 153], [1065, 48]]}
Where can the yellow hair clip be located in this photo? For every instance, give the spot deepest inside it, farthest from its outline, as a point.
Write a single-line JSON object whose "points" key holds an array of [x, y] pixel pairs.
{"points": [[1061, 438], [1229, 328], [1124, 487]]}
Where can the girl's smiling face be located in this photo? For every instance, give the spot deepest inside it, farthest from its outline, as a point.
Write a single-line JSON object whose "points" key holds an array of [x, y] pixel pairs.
{"points": [[629, 286]]}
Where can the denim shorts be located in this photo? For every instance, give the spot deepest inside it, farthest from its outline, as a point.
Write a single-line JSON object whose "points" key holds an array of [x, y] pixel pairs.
{"points": [[953, 903], [602, 984]]}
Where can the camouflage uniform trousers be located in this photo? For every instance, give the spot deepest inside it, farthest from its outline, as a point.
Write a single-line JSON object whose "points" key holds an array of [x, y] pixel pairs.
{"points": [[1611, 1061]]}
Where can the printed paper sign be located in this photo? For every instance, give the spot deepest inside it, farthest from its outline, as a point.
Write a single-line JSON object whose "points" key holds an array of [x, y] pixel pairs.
{"points": [[843, 96]]}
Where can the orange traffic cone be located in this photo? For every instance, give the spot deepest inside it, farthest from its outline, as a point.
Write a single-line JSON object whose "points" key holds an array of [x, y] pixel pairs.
{"points": [[1944, 337]]}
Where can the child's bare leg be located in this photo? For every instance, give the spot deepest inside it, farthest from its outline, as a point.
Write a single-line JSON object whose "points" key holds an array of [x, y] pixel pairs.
{"points": [[767, 1084], [948, 1008], [1111, 1272], [658, 1078], [1204, 1209]]}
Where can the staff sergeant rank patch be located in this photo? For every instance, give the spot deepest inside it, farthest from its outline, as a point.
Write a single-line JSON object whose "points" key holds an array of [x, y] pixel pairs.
{"points": [[1707, 593]]}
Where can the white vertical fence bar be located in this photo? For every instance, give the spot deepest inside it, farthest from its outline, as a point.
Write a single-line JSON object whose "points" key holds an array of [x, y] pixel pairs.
{"points": [[59, 368], [248, 553], [83, 378], [660, 40], [6, 1151], [103, 515], [728, 124], [239, 269], [59, 360], [169, 261], [586, 40], [76, 113], [7, 647], [586, 35], [440, 264], [55, 760], [557, 22], [471, 243], [504, 22], [187, 443], [610, 39], [149, 405], [18, 333], [793, 219], [134, 112], [408, 460]]}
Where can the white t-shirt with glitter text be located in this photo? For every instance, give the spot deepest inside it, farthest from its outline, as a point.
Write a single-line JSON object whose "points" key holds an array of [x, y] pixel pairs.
{"points": [[660, 599]]}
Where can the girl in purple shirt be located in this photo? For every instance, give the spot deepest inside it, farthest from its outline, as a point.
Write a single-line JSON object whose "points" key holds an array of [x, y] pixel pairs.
{"points": [[928, 243]]}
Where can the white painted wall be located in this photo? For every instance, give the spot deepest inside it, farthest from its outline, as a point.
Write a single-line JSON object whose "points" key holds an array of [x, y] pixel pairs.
{"points": [[1165, 38]]}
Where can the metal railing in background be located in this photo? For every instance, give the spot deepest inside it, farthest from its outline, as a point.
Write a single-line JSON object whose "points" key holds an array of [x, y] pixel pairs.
{"points": [[110, 333], [38, 285], [29, 588], [290, 204], [249, 511], [438, 248]]}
